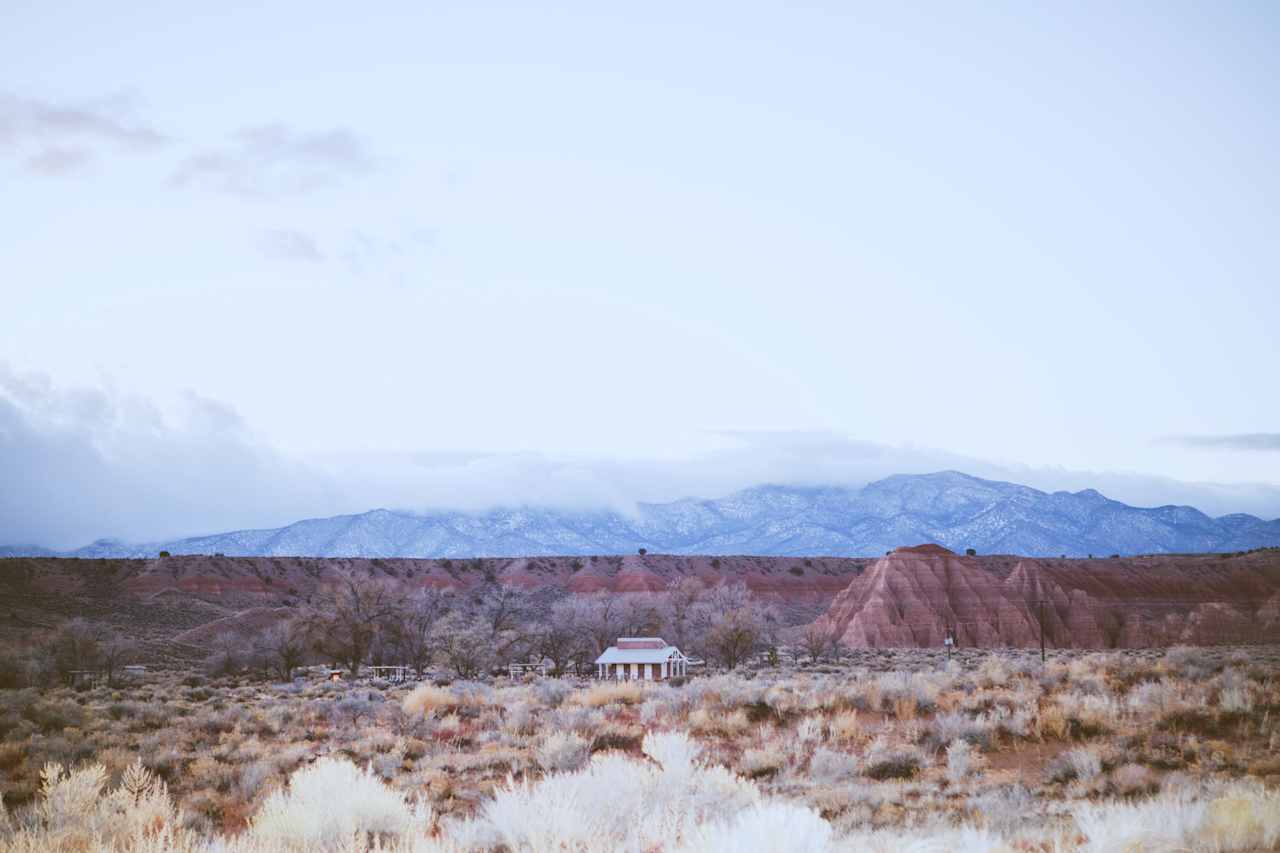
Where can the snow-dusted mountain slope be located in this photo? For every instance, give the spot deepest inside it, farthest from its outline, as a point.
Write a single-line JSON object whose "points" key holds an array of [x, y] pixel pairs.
{"points": [[949, 508]]}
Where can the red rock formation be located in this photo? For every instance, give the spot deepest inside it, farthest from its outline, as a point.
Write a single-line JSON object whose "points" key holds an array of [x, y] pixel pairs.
{"points": [[908, 598], [914, 596]]}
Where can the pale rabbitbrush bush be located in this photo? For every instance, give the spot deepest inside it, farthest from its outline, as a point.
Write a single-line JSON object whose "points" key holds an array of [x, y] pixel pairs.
{"points": [[563, 751], [959, 760], [1236, 699], [331, 802], [75, 811], [831, 766], [763, 828], [614, 803]]}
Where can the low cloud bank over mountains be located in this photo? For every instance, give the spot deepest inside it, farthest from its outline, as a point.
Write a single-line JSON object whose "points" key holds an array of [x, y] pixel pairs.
{"points": [[949, 508]]}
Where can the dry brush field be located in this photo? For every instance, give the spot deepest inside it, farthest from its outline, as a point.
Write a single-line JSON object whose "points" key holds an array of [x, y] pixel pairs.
{"points": [[899, 750]]}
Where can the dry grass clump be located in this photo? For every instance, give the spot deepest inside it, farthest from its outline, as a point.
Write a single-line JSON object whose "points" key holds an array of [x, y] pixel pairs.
{"points": [[710, 722], [610, 693]]}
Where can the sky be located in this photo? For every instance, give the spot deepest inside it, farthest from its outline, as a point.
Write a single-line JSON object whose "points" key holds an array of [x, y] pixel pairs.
{"points": [[259, 263]]}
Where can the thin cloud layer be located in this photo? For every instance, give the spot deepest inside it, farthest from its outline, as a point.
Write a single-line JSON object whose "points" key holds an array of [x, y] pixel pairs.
{"points": [[86, 463], [289, 245], [274, 160], [1254, 441], [57, 138]]}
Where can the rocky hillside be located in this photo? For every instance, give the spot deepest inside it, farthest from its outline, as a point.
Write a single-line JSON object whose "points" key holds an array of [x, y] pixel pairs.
{"points": [[175, 603], [915, 596], [949, 508], [909, 598]]}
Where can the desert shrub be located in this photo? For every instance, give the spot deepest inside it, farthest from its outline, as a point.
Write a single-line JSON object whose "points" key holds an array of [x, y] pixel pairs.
{"points": [[832, 767], [76, 811], [551, 692], [960, 760], [426, 700], [764, 827], [1131, 779], [332, 803], [1083, 764], [611, 803], [54, 715], [1236, 700], [887, 762], [1088, 715], [1200, 722], [617, 737], [994, 672], [1005, 808], [519, 718], [904, 693], [563, 751], [845, 727], [621, 692], [945, 729], [762, 761], [705, 722]]}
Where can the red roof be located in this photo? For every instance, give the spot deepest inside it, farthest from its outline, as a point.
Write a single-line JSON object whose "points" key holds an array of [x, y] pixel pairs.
{"points": [[640, 643]]}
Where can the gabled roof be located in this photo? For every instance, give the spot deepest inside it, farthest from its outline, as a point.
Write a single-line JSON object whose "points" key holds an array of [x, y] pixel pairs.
{"points": [[647, 654]]}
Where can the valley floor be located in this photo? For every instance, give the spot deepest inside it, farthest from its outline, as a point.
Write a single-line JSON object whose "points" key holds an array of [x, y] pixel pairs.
{"points": [[1176, 749]]}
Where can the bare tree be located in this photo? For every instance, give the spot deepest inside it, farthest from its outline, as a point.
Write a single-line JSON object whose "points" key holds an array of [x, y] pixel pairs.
{"points": [[678, 608], [114, 654], [76, 645], [350, 619], [816, 642], [413, 634], [639, 614], [560, 638], [283, 647], [227, 654], [465, 644], [501, 608], [735, 623]]}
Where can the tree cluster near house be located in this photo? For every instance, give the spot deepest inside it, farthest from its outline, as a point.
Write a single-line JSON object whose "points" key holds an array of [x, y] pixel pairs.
{"points": [[363, 623]]}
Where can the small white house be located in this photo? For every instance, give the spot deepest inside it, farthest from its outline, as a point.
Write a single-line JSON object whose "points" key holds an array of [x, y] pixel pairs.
{"points": [[642, 659]]}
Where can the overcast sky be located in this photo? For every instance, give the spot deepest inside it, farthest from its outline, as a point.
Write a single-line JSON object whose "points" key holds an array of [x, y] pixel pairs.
{"points": [[260, 263]]}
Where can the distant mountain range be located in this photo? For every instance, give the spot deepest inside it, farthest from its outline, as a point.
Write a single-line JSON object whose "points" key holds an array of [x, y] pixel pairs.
{"points": [[949, 508]]}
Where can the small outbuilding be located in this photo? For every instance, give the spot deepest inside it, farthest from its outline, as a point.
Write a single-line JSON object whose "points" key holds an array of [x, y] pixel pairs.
{"points": [[641, 659]]}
